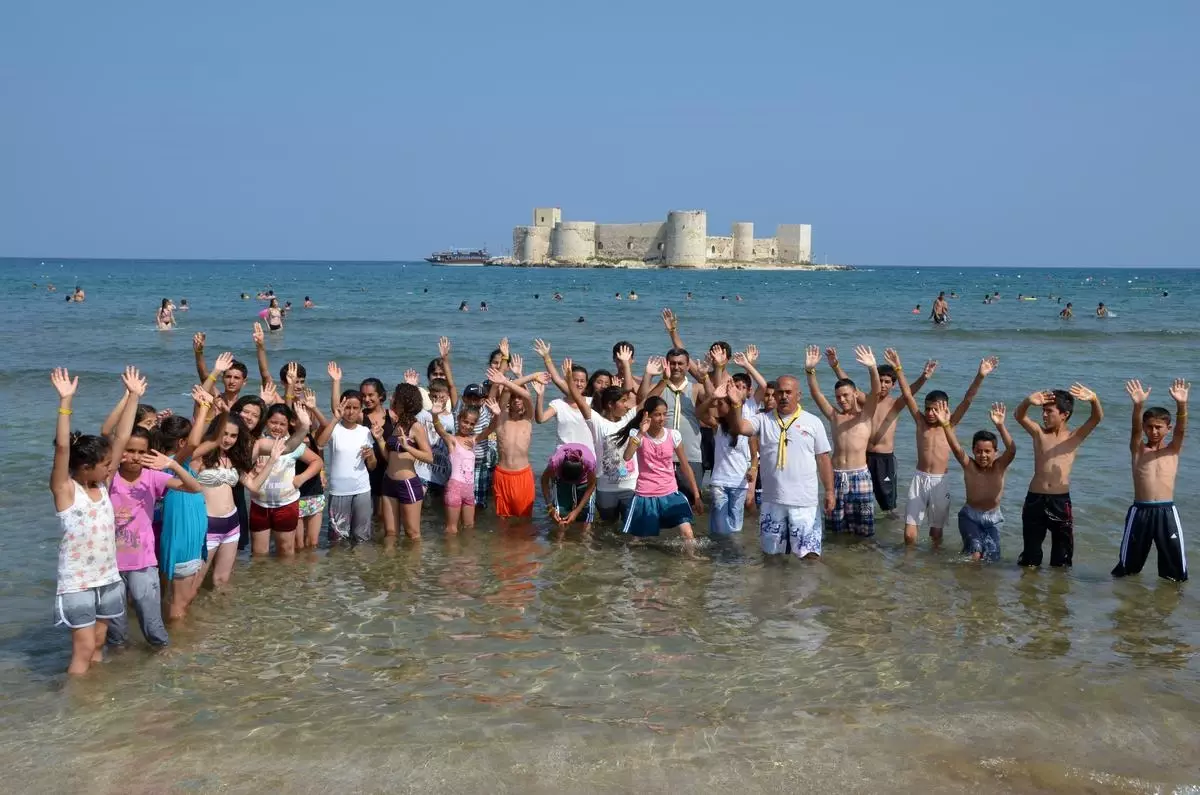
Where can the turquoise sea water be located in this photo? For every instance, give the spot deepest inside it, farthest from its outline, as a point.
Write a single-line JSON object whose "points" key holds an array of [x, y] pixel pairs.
{"points": [[530, 662]]}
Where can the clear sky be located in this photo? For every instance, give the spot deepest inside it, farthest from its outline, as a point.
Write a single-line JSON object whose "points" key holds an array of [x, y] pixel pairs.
{"points": [[906, 133]]}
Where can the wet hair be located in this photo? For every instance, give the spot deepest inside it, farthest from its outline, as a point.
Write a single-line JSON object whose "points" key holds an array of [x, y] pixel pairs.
{"points": [[984, 436], [144, 410], [590, 389], [375, 384], [841, 382], [620, 345], [887, 371], [433, 365], [1156, 413], [407, 402], [251, 400], [679, 352], [723, 345], [936, 396], [241, 455], [87, 451], [280, 408], [352, 394], [1064, 401], [651, 405], [571, 470], [171, 431], [300, 372], [743, 379], [240, 367]]}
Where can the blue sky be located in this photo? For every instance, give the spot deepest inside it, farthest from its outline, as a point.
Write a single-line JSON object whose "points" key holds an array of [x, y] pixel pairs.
{"points": [[923, 133]]}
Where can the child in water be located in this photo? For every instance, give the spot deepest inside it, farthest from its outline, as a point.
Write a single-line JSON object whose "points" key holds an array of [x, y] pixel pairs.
{"points": [[459, 496], [568, 483], [979, 521]]}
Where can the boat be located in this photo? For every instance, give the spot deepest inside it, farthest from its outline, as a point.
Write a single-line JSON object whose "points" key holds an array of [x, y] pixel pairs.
{"points": [[458, 256]]}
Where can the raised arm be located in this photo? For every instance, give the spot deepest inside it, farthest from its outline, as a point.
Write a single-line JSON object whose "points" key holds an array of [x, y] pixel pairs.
{"points": [[200, 416], [624, 358], [60, 473], [735, 423], [335, 388], [260, 350], [671, 323], [574, 394], [831, 356], [986, 366], [1138, 395], [135, 387], [942, 412], [746, 360], [1081, 392], [906, 396], [1010, 448], [445, 349], [866, 357], [811, 360], [654, 369], [1179, 391], [198, 350], [110, 422], [542, 348], [1021, 415], [540, 412], [253, 481]]}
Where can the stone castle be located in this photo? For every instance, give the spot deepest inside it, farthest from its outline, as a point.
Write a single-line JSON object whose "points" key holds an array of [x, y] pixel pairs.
{"points": [[682, 241]]}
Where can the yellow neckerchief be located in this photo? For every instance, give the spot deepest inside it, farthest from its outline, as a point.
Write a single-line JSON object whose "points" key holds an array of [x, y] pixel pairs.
{"points": [[678, 391], [783, 437]]}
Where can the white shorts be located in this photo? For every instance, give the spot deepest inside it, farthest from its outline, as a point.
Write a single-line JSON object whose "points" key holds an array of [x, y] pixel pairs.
{"points": [[785, 527], [928, 500]]}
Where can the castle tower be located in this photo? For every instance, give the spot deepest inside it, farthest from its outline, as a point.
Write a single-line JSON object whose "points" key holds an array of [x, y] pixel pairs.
{"points": [[687, 236], [743, 241]]}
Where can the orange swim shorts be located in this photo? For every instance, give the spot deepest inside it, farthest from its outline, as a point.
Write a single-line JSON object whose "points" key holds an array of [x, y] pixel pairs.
{"points": [[514, 492]]}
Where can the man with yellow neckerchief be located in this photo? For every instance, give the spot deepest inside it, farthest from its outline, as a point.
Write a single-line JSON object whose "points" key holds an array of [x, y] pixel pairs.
{"points": [[793, 454]]}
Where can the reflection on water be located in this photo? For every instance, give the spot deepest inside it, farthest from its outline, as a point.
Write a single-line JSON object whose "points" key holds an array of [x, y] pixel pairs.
{"points": [[558, 662]]}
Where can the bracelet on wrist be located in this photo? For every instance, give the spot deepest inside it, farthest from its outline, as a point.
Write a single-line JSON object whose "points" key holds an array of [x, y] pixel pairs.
{"points": [[65, 412], [898, 369], [810, 370]]}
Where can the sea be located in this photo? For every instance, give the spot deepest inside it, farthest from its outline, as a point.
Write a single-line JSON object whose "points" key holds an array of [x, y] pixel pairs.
{"points": [[526, 660]]}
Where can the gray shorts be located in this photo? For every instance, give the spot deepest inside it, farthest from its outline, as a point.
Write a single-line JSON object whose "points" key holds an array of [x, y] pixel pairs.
{"points": [[83, 608], [350, 518], [613, 505]]}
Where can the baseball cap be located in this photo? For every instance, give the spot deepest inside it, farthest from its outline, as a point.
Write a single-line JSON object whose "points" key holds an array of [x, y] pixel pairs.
{"points": [[474, 391]]}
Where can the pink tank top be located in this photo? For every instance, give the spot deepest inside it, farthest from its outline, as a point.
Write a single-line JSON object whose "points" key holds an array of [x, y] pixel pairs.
{"points": [[656, 464], [462, 463]]}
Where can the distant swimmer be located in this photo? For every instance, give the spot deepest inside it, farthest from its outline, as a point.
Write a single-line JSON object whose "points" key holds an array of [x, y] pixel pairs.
{"points": [[689, 295], [483, 306], [738, 298], [536, 296], [274, 315], [580, 320], [166, 316], [633, 295], [79, 295], [308, 303], [1164, 295], [1102, 310], [50, 288], [427, 290], [245, 296], [917, 309], [724, 298], [183, 306], [618, 296], [558, 296], [953, 294], [940, 314], [463, 307], [1067, 312]]}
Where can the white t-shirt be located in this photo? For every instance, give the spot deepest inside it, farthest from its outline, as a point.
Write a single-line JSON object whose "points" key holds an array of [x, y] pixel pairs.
{"points": [[615, 473], [571, 427], [439, 471], [731, 462], [795, 485], [348, 473]]}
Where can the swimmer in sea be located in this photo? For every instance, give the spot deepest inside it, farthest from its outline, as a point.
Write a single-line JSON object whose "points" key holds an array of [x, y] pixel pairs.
{"points": [[633, 295], [558, 296], [580, 320], [166, 316], [953, 294], [738, 298], [274, 315], [1102, 310], [245, 296], [308, 304], [183, 306], [463, 307], [689, 296], [50, 288], [483, 306], [917, 309], [1067, 312], [79, 295], [618, 296], [940, 314]]}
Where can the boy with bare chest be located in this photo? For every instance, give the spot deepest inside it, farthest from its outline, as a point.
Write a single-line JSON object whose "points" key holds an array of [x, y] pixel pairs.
{"points": [[1048, 504], [1153, 518], [980, 519]]}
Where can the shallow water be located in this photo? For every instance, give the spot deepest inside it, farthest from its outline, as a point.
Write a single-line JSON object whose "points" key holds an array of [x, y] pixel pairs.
{"points": [[521, 660]]}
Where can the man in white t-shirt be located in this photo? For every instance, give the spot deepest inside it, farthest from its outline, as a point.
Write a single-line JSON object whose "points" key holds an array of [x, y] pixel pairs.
{"points": [[793, 454]]}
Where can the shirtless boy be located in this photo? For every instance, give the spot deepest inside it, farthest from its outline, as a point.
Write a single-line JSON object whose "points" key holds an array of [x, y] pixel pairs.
{"points": [[1048, 503], [1153, 517], [929, 492], [881, 456], [853, 509], [980, 519], [512, 483]]}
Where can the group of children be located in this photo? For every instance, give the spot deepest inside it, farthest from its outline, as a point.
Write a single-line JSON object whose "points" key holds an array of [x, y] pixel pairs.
{"points": [[156, 501]]}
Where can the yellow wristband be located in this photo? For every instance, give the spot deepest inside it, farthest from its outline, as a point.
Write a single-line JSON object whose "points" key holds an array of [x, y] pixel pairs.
{"points": [[810, 370], [212, 377], [65, 411], [898, 369], [945, 424]]}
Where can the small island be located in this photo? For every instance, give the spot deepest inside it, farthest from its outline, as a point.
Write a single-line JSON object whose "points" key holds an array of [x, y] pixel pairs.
{"points": [[682, 241]]}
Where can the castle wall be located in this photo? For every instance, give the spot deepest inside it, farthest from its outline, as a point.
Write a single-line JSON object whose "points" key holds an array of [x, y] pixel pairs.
{"points": [[631, 241], [546, 216], [795, 242], [573, 241], [531, 244], [765, 249], [719, 248], [687, 233]]}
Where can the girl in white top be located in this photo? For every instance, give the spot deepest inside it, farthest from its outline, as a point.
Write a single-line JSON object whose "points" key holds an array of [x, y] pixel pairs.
{"points": [[735, 462], [572, 427], [351, 457], [616, 477], [90, 590]]}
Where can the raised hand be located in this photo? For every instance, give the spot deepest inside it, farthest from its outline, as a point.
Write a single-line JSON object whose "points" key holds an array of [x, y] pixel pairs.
{"points": [[223, 363], [302, 417], [722, 390], [1041, 397], [201, 397], [277, 448], [566, 368], [1179, 390], [891, 357], [812, 356], [63, 383], [495, 376], [291, 374], [152, 459], [198, 342], [624, 354], [740, 359], [986, 366], [310, 399], [134, 382], [1137, 392], [377, 432], [831, 356], [503, 346], [644, 425], [864, 356], [444, 347], [516, 364], [492, 405], [655, 365], [1081, 392], [335, 372], [539, 386], [930, 367], [618, 381], [257, 335], [541, 348], [941, 412], [269, 393], [752, 353], [702, 367], [220, 406], [998, 413], [542, 378], [669, 319], [162, 415], [717, 354], [412, 377]]}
